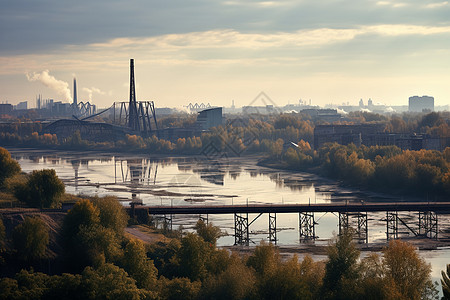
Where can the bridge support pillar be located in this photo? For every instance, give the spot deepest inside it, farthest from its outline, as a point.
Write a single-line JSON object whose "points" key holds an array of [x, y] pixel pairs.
{"points": [[391, 225], [358, 221], [241, 234], [428, 224], [307, 226], [273, 228]]}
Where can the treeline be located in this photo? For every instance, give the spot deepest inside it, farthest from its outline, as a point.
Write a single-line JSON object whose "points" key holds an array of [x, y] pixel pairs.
{"points": [[386, 168], [101, 262], [255, 134]]}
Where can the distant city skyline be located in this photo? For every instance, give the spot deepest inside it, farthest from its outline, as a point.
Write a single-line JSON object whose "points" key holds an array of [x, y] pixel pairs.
{"points": [[219, 51]]}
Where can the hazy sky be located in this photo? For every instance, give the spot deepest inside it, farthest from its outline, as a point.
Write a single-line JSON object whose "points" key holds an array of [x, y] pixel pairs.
{"points": [[216, 51]]}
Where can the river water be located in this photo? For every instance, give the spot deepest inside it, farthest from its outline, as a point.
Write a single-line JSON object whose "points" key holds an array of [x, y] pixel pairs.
{"points": [[199, 181]]}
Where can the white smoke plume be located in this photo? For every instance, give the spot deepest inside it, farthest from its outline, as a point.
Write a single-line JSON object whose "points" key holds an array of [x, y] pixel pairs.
{"points": [[59, 86], [92, 90]]}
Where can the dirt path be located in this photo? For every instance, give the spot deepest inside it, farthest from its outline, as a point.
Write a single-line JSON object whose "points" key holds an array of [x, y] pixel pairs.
{"points": [[144, 234]]}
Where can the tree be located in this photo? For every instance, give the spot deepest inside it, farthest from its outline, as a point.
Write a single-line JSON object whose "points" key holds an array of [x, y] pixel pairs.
{"points": [[112, 213], [208, 232], [180, 289], [408, 271], [110, 282], [43, 189], [82, 214], [445, 281], [96, 245], [341, 269], [237, 282], [8, 166], [30, 238], [136, 263], [193, 255]]}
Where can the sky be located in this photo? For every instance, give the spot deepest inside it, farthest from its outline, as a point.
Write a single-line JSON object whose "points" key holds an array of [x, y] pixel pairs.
{"points": [[211, 51]]}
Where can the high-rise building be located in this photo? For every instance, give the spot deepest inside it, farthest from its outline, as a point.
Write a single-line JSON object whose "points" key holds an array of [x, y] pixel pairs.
{"points": [[421, 104]]}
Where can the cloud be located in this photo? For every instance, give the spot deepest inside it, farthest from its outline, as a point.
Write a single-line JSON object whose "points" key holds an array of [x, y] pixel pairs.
{"points": [[59, 86], [394, 4], [93, 90], [219, 39], [437, 4]]}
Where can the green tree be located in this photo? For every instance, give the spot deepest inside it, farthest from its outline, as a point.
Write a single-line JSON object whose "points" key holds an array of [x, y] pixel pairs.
{"points": [[445, 281], [112, 213], [138, 266], [110, 282], [97, 245], [43, 189], [193, 256], [82, 215], [30, 238], [341, 269], [8, 166], [208, 232]]}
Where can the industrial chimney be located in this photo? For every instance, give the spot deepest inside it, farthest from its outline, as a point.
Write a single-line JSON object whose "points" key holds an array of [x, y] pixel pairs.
{"points": [[75, 102]]}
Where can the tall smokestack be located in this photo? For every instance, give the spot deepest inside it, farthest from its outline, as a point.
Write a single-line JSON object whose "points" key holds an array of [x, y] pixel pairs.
{"points": [[75, 102], [133, 119]]}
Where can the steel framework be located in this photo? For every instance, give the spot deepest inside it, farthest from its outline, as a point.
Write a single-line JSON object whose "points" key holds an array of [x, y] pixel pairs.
{"points": [[273, 228], [358, 221], [428, 224], [307, 226], [241, 234], [136, 115]]}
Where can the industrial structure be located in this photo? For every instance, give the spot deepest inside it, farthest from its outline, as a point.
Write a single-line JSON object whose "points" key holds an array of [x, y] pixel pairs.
{"points": [[138, 116], [132, 117]]}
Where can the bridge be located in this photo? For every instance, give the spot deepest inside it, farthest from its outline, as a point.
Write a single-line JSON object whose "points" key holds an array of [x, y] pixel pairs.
{"points": [[354, 215]]}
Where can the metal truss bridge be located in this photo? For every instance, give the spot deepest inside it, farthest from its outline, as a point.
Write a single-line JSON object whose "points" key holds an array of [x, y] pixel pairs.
{"points": [[354, 215]]}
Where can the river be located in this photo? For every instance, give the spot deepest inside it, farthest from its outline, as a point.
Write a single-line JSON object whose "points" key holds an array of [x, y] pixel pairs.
{"points": [[199, 181]]}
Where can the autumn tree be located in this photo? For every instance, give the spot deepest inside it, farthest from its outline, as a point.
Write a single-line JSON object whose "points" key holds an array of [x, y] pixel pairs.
{"points": [[30, 239], [8, 166], [237, 282], [408, 271], [180, 289], [112, 214]]}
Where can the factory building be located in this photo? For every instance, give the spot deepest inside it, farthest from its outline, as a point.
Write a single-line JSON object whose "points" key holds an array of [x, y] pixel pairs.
{"points": [[208, 118]]}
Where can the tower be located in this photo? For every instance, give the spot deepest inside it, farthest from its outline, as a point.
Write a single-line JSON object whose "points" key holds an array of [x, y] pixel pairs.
{"points": [[75, 101], [133, 119]]}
